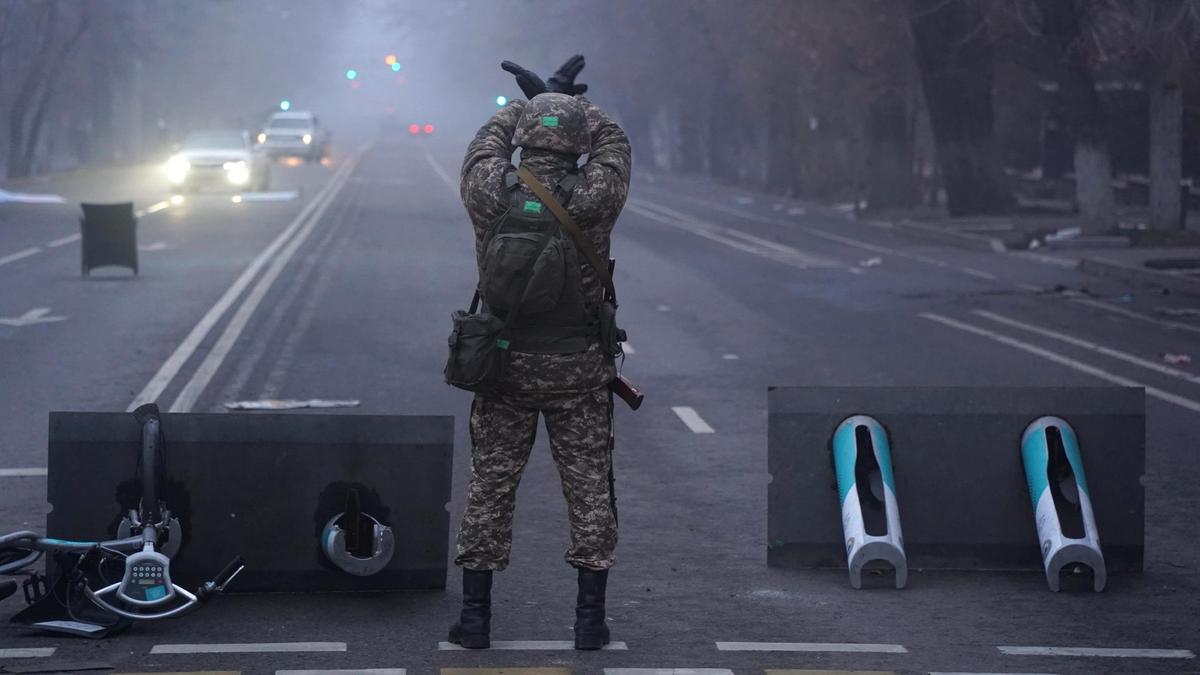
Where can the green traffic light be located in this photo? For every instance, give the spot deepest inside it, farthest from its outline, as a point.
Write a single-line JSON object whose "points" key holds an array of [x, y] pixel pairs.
{"points": [[351, 74]]}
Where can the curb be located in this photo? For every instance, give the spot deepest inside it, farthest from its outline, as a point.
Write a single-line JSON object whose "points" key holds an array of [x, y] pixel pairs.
{"points": [[1116, 270], [962, 240]]}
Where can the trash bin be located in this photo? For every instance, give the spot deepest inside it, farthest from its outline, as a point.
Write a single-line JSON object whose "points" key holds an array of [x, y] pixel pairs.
{"points": [[109, 236]]}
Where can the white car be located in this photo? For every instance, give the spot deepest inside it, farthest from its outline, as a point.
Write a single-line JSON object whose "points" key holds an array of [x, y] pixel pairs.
{"points": [[295, 134], [220, 158]]}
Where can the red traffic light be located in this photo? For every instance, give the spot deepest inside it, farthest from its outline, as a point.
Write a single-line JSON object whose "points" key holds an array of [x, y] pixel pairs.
{"points": [[414, 128], [429, 128]]}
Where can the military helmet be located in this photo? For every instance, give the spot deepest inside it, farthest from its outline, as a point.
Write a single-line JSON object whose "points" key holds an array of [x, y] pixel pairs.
{"points": [[554, 122]]}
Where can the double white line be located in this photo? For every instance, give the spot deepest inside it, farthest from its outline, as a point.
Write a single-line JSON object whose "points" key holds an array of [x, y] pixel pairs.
{"points": [[277, 254], [731, 237]]}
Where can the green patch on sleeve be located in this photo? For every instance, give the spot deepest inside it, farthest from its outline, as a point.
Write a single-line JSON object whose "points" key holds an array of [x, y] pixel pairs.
{"points": [[532, 207], [550, 121], [502, 344]]}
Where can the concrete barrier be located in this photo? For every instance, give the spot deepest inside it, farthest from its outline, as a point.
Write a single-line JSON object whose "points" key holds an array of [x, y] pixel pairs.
{"points": [[265, 486], [957, 462]]}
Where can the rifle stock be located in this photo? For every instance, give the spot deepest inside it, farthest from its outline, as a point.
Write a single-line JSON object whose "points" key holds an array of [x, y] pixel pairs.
{"points": [[627, 392]]}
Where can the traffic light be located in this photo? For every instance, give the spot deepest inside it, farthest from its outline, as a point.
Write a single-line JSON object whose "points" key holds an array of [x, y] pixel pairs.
{"points": [[285, 104], [501, 100], [396, 67], [390, 60], [351, 74]]}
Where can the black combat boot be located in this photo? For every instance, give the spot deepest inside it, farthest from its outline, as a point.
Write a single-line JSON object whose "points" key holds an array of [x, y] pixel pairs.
{"points": [[474, 626], [591, 632]]}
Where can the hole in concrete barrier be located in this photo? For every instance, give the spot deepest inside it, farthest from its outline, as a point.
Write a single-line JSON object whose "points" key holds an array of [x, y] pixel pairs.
{"points": [[1063, 488], [868, 481]]}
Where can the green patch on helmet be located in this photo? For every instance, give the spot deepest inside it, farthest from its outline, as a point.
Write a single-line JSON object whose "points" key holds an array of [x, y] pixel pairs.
{"points": [[532, 207], [550, 121]]}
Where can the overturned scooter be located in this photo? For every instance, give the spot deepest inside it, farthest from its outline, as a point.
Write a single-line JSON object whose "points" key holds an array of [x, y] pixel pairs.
{"points": [[147, 539]]}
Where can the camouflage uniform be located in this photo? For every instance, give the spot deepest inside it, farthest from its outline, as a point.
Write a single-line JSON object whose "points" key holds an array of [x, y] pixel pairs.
{"points": [[569, 390]]}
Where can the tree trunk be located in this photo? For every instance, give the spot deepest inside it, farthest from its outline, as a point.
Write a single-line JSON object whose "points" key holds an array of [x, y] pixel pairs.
{"points": [[956, 61], [1166, 148], [1083, 114], [890, 180]]}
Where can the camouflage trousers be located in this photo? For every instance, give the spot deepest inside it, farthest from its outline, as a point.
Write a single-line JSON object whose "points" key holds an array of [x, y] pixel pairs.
{"points": [[503, 428]]}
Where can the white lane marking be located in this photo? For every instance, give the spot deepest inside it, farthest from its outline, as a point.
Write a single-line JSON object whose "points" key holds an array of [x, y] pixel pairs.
{"points": [[33, 316], [27, 652], [1099, 651], [29, 471], [249, 648], [977, 273], [667, 671], [156, 246], [994, 673], [139, 213], [64, 241], [155, 208], [1033, 288], [848, 647], [628, 348], [1180, 401], [13, 257], [437, 168], [532, 645], [216, 356], [664, 308], [1090, 346], [731, 237], [346, 671], [1173, 325], [1066, 263], [692, 419], [730, 357], [846, 240], [171, 367]]}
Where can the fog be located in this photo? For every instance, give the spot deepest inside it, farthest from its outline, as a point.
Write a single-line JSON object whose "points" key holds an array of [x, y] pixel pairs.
{"points": [[970, 106]]}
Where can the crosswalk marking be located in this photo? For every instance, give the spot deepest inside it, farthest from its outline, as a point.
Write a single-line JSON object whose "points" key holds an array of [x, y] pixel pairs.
{"points": [[830, 672], [790, 671], [692, 419], [186, 672], [249, 648], [31, 471], [667, 671], [851, 647], [27, 652], [1099, 651], [532, 645], [505, 671], [345, 671]]}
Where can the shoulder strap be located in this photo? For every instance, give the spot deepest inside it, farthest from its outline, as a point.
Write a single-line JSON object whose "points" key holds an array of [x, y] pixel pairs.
{"points": [[564, 218]]}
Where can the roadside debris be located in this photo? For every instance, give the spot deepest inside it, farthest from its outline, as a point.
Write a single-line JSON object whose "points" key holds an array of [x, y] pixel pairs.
{"points": [[289, 404], [1176, 359], [1177, 313], [30, 198]]}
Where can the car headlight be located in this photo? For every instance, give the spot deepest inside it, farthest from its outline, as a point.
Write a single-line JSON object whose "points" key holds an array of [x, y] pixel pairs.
{"points": [[177, 169], [262, 138], [307, 139], [237, 172]]}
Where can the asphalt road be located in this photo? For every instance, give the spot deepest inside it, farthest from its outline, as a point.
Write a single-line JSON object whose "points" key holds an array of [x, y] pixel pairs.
{"points": [[344, 292]]}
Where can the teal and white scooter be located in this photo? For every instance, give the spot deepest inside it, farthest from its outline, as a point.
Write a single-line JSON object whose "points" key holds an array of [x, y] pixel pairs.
{"points": [[1062, 505], [862, 461]]}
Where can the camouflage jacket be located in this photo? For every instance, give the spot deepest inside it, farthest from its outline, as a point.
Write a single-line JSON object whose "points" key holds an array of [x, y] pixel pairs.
{"points": [[595, 203]]}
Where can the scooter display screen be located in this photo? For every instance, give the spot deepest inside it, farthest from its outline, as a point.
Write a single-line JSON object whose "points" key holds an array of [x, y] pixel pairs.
{"points": [[146, 582]]}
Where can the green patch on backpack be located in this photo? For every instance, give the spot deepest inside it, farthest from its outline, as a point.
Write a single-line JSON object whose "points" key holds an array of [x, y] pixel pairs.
{"points": [[550, 121], [532, 207]]}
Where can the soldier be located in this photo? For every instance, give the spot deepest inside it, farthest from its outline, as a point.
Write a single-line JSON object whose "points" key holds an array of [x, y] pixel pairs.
{"points": [[556, 365]]}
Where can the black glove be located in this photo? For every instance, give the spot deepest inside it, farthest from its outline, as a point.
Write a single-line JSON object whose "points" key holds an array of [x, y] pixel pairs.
{"points": [[563, 81], [527, 80]]}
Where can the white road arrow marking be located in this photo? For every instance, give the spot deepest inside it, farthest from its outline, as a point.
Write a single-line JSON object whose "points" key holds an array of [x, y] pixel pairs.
{"points": [[38, 315]]}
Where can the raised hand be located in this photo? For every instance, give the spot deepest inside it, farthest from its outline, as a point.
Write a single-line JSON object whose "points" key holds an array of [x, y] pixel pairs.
{"points": [[563, 81], [527, 80]]}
